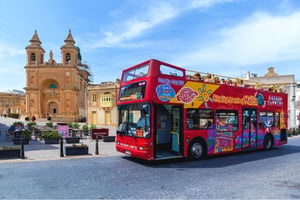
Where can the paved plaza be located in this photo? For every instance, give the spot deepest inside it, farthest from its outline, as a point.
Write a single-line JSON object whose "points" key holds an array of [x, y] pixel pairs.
{"points": [[37, 150]]}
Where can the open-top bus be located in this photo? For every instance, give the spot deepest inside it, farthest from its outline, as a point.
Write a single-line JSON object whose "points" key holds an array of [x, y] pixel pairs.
{"points": [[165, 113]]}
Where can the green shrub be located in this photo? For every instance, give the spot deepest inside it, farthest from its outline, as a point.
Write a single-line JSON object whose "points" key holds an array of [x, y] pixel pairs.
{"points": [[51, 135], [14, 115], [29, 124], [85, 127], [76, 125], [49, 124], [26, 134], [18, 123], [93, 126], [70, 125]]}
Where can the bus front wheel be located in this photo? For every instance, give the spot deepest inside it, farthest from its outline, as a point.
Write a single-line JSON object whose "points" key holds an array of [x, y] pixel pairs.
{"points": [[268, 142], [197, 150]]}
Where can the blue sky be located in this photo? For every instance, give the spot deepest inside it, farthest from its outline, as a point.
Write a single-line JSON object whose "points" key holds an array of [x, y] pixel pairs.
{"points": [[227, 37]]}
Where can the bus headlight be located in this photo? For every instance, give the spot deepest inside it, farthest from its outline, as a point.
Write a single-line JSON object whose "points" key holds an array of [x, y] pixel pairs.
{"points": [[147, 148]]}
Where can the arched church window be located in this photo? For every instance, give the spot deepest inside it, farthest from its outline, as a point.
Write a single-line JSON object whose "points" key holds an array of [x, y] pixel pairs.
{"points": [[32, 57], [52, 86], [68, 57]]}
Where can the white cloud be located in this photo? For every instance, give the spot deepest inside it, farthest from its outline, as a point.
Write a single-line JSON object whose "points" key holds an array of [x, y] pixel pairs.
{"points": [[258, 39], [206, 3], [158, 14], [7, 50], [135, 26]]}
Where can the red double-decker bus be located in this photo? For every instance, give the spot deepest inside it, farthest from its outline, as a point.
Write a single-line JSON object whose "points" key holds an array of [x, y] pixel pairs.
{"points": [[165, 113]]}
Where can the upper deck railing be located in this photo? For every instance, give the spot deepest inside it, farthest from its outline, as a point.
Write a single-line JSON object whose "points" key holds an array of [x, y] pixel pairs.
{"points": [[239, 82]]}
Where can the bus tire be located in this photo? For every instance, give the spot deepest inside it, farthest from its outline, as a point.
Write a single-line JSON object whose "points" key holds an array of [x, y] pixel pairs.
{"points": [[197, 149], [268, 142]]}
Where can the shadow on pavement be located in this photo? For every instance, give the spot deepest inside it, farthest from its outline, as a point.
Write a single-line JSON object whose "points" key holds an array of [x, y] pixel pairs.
{"points": [[219, 161]]}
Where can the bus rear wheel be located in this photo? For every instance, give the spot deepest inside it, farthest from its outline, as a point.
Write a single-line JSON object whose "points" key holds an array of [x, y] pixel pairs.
{"points": [[197, 150], [268, 142]]}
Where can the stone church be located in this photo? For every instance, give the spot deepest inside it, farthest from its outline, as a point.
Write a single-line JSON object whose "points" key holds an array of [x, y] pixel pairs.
{"points": [[58, 90]]}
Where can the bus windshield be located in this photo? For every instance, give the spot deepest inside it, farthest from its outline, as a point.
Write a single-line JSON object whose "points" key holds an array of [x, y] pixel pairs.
{"points": [[134, 120], [135, 73]]}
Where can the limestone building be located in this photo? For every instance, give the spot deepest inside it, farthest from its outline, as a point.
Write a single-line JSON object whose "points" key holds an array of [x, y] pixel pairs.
{"points": [[285, 83], [297, 99], [102, 103], [12, 102], [56, 89]]}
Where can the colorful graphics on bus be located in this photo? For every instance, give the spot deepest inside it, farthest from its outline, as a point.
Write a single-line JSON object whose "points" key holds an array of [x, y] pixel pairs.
{"points": [[165, 92], [195, 94], [219, 141]]}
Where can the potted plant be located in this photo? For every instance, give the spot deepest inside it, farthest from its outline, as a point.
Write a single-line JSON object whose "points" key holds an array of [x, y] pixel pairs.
{"points": [[93, 126], [7, 152], [18, 124], [85, 129], [77, 150], [71, 140], [30, 124], [49, 124], [70, 125], [76, 125], [51, 137], [25, 136]]}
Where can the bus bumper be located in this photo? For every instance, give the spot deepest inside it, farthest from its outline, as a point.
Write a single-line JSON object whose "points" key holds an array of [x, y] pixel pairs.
{"points": [[135, 151]]}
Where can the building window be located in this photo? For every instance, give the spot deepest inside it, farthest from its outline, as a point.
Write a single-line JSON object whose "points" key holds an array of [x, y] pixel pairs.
{"points": [[32, 57], [94, 98], [106, 100]]}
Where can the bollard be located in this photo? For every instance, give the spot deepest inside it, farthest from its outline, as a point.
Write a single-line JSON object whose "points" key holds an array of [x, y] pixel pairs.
{"points": [[22, 156], [97, 146], [61, 147]]}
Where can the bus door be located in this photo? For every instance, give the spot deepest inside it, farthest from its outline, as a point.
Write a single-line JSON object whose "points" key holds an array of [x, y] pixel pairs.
{"points": [[176, 128], [168, 133], [249, 135]]}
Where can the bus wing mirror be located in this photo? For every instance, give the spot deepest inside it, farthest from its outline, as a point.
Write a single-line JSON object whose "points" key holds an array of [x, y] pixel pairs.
{"points": [[120, 132]]}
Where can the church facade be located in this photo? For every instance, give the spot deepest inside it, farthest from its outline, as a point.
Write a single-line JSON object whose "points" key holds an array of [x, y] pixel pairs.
{"points": [[58, 90]]}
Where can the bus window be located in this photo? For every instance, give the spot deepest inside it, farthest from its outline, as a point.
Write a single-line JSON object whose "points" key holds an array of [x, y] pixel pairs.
{"points": [[135, 73], [226, 120], [166, 70], [266, 119], [277, 119], [199, 118]]}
